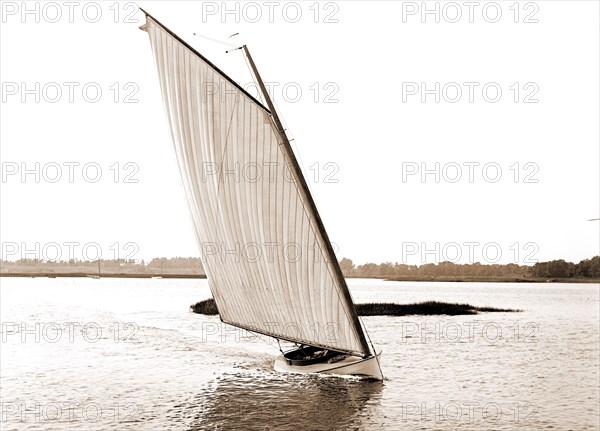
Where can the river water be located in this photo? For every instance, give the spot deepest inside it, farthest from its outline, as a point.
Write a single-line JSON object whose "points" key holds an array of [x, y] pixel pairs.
{"points": [[126, 354]]}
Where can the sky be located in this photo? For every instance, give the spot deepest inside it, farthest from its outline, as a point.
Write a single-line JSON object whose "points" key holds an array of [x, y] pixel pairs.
{"points": [[456, 131]]}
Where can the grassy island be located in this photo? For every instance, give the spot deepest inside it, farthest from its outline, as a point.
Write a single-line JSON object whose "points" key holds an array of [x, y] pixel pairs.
{"points": [[209, 307]]}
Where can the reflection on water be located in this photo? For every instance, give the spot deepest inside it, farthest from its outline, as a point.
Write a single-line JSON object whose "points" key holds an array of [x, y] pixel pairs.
{"points": [[538, 369], [247, 400]]}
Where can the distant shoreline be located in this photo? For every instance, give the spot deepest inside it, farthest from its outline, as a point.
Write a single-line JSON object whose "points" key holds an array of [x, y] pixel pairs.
{"points": [[102, 275], [413, 279], [495, 279]]}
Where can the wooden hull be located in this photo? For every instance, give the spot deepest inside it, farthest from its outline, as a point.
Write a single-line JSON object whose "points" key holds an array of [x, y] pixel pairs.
{"points": [[349, 366]]}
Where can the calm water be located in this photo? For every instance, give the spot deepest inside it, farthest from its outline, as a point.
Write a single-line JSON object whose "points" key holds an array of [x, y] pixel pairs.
{"points": [[128, 355]]}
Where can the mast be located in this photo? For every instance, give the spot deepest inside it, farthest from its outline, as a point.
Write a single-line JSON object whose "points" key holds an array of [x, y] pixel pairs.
{"points": [[313, 208]]}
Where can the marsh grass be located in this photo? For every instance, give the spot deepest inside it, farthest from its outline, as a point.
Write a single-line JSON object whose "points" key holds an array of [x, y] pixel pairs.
{"points": [[423, 308], [209, 307]]}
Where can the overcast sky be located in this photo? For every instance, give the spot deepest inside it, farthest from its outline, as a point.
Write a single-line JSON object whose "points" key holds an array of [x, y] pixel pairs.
{"points": [[497, 104]]}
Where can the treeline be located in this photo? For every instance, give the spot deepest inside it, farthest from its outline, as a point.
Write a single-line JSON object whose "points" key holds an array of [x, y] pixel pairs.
{"points": [[588, 268], [158, 266], [189, 264]]}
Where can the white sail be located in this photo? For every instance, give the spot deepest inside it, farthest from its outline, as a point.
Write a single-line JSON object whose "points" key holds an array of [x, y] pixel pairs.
{"points": [[265, 256]]}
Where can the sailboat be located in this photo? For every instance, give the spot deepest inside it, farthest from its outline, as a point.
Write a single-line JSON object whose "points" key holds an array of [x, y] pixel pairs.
{"points": [[96, 276], [161, 271], [269, 263]]}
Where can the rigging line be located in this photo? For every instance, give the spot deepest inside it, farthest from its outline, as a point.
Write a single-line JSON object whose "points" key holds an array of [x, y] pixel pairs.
{"points": [[372, 346], [294, 146], [296, 149], [230, 45]]}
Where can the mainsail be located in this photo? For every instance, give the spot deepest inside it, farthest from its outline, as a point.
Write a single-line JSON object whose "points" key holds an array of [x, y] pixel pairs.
{"points": [[269, 263]]}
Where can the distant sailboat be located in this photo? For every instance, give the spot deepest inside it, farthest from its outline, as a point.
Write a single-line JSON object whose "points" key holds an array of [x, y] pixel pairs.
{"points": [[96, 276], [161, 271], [268, 260]]}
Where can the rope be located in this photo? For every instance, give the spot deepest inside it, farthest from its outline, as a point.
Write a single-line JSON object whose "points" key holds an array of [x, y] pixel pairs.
{"points": [[230, 45]]}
